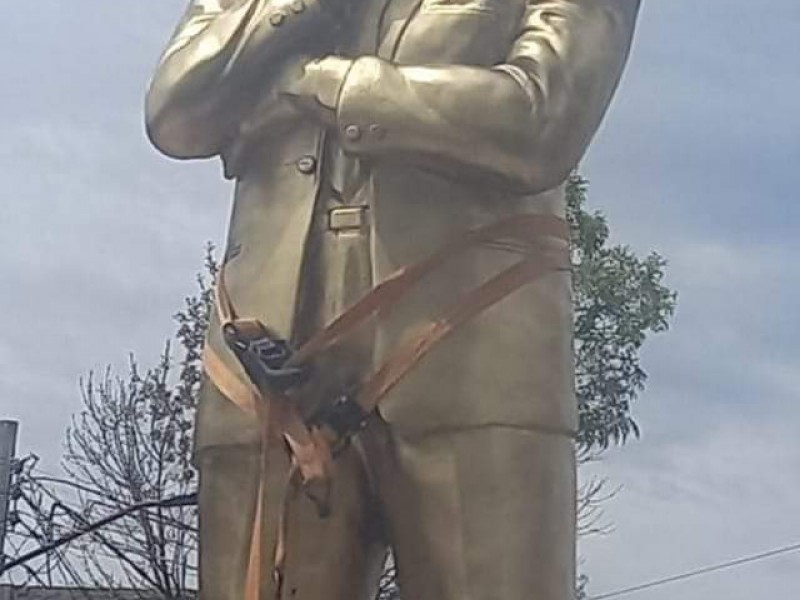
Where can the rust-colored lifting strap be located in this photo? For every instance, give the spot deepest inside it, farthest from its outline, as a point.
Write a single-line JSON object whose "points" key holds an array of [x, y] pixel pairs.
{"points": [[311, 446]]}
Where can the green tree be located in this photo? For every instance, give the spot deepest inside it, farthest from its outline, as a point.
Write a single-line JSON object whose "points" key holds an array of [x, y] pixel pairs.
{"points": [[619, 300], [129, 445]]}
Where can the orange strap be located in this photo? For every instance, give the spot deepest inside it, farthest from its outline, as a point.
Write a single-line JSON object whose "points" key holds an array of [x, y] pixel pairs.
{"points": [[474, 303], [245, 396], [252, 583], [311, 448], [524, 229]]}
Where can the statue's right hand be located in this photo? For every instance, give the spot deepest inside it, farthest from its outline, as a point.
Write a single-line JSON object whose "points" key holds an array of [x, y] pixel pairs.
{"points": [[274, 109]]}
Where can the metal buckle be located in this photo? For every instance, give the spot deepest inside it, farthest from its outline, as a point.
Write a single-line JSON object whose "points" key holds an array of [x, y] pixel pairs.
{"points": [[344, 416], [347, 218], [264, 356]]}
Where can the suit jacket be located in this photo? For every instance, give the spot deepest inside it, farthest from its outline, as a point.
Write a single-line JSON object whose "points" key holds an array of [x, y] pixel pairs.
{"points": [[466, 111]]}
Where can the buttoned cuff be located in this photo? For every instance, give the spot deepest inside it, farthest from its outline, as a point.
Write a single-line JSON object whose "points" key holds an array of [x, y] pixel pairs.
{"points": [[355, 96], [365, 105]]}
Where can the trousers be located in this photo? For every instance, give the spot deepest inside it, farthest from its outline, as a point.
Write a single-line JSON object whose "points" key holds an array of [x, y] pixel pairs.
{"points": [[484, 513]]}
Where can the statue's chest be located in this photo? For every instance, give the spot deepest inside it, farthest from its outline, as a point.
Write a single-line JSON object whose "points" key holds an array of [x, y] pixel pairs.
{"points": [[470, 32]]}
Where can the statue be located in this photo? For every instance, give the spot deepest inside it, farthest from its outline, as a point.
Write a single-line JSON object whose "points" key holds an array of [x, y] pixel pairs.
{"points": [[416, 148]]}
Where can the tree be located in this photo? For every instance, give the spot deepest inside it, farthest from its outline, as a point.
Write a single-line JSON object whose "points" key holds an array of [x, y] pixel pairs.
{"points": [[131, 443], [619, 299]]}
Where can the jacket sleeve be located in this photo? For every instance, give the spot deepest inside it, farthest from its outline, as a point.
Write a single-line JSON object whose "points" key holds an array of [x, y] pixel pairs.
{"points": [[526, 122], [214, 65]]}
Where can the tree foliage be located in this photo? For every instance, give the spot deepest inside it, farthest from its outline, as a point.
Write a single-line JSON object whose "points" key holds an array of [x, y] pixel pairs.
{"points": [[619, 299]]}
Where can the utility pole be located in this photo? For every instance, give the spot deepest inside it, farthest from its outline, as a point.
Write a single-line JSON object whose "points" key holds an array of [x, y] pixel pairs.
{"points": [[8, 445]]}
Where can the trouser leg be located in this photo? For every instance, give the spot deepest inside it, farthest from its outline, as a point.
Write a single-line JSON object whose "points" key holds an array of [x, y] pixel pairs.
{"points": [[231, 487], [333, 557], [485, 513], [228, 494], [336, 557]]}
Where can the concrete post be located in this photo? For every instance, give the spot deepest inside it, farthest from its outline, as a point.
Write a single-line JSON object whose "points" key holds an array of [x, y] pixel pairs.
{"points": [[8, 446]]}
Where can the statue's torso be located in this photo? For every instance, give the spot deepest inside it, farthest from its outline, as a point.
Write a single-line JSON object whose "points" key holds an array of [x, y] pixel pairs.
{"points": [[513, 365]]}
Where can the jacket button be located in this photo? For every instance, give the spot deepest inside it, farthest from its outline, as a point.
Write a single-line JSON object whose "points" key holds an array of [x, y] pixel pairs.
{"points": [[298, 6], [276, 19], [307, 164], [352, 132]]}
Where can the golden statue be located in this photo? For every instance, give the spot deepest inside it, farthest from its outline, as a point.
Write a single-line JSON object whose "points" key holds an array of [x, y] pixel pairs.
{"points": [[399, 170]]}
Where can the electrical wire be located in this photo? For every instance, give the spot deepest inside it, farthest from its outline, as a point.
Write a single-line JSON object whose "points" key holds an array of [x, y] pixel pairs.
{"points": [[191, 499], [701, 571], [172, 502]]}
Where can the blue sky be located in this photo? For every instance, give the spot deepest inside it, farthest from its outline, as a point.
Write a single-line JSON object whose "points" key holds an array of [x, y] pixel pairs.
{"points": [[698, 159]]}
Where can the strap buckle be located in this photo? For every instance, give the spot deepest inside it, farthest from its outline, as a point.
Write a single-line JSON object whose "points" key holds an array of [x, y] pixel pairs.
{"points": [[264, 355], [344, 416]]}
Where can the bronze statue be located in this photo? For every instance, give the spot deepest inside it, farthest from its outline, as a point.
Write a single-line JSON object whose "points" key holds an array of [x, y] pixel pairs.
{"points": [[365, 137]]}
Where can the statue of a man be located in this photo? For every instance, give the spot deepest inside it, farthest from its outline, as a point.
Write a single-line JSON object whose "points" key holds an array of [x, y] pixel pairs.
{"points": [[362, 136]]}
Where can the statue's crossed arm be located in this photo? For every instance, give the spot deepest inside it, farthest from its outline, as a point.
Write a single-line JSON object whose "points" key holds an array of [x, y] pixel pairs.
{"points": [[219, 57]]}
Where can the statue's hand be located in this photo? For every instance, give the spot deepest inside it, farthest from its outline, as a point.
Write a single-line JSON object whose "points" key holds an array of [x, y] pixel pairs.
{"points": [[304, 89], [273, 112], [299, 91], [315, 86]]}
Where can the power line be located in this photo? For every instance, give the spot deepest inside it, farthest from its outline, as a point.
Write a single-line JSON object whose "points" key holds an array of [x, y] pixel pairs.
{"points": [[701, 571], [171, 502]]}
